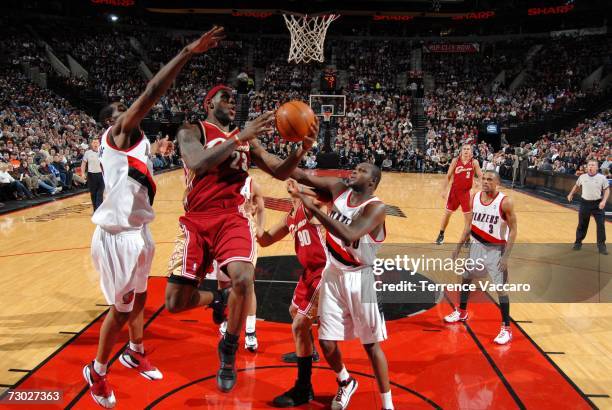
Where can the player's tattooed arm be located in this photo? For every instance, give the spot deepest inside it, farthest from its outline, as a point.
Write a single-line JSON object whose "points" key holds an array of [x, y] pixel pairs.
{"points": [[275, 166], [129, 121], [194, 156]]}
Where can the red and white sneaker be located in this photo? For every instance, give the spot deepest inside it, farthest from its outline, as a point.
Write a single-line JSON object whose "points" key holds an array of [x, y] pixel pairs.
{"points": [[457, 316], [345, 391], [504, 336], [134, 360], [101, 391]]}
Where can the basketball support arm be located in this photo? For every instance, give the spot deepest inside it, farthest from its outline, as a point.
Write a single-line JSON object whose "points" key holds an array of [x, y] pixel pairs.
{"points": [[373, 215]]}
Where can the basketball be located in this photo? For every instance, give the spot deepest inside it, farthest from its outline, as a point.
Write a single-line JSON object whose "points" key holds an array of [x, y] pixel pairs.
{"points": [[293, 120]]}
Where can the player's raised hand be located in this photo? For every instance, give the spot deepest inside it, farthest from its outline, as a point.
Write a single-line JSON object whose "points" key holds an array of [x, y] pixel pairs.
{"points": [[209, 40], [260, 125], [313, 133], [293, 187]]}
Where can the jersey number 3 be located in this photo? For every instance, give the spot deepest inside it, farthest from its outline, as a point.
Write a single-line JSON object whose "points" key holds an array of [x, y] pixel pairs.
{"points": [[239, 161]]}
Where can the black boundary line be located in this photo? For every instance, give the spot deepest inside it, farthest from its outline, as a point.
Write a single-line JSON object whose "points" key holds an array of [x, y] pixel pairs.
{"points": [[561, 372], [554, 352], [523, 321], [6, 385], [19, 370], [191, 383], [431, 330], [68, 333], [496, 369], [59, 349], [100, 304], [189, 320], [78, 397], [601, 396]]}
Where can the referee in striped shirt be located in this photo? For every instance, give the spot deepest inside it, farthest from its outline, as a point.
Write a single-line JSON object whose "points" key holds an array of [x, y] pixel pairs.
{"points": [[595, 194]]}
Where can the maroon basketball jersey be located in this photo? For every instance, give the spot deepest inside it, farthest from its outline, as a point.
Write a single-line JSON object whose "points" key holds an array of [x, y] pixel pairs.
{"points": [[464, 175], [219, 187], [308, 239]]}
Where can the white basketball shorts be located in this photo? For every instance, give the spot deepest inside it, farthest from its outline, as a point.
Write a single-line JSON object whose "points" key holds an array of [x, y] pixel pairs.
{"points": [[342, 313], [124, 262], [487, 256]]}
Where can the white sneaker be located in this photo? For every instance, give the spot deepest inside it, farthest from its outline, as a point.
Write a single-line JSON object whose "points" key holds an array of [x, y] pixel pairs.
{"points": [[343, 396], [223, 328], [456, 317], [101, 391], [250, 342], [504, 336]]}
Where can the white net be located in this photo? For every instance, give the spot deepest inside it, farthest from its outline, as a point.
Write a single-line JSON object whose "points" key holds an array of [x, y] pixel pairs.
{"points": [[307, 37]]}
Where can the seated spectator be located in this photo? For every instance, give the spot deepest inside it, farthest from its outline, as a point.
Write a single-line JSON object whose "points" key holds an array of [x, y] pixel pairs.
{"points": [[11, 186]]}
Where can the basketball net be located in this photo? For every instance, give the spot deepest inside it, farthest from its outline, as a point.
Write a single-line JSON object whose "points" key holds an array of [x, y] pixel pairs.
{"points": [[327, 116], [307, 37]]}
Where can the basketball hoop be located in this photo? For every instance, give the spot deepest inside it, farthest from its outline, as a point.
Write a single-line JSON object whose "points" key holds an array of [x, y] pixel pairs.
{"points": [[327, 116], [307, 36]]}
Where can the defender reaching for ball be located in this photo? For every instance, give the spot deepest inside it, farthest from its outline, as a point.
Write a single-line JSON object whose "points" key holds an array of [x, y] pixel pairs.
{"points": [[122, 247], [216, 225], [355, 231]]}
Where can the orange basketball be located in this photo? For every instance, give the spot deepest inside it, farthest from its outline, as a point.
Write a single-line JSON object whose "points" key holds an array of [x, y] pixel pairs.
{"points": [[293, 120]]}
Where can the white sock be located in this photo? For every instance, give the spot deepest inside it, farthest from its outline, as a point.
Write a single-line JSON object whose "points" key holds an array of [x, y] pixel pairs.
{"points": [[100, 368], [250, 323], [137, 347], [343, 375], [386, 400]]}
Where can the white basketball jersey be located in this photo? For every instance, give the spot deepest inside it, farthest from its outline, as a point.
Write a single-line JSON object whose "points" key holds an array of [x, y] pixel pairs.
{"points": [[129, 188], [488, 221], [363, 251]]}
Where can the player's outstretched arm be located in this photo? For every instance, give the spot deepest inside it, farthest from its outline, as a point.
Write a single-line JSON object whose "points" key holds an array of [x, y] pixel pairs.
{"points": [[477, 172], [275, 166], [373, 215], [278, 232], [160, 83], [201, 160]]}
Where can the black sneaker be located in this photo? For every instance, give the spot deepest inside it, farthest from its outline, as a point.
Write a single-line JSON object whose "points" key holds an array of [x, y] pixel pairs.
{"points": [[296, 396], [603, 250], [292, 357], [577, 246], [226, 376], [440, 239], [219, 305]]}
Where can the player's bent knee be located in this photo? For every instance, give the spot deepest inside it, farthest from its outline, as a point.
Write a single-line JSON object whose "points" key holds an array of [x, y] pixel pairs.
{"points": [[301, 324]]}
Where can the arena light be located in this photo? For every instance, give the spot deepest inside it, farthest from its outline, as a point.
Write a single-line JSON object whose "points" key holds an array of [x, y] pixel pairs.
{"points": [[113, 18]]}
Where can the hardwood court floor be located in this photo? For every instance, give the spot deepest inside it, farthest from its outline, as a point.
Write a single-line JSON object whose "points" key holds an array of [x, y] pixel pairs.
{"points": [[50, 289]]}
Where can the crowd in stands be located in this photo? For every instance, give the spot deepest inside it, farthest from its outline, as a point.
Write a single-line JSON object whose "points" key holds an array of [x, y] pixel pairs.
{"points": [[43, 138]]}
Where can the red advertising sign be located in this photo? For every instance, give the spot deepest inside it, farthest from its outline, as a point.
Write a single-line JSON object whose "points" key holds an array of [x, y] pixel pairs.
{"points": [[451, 48], [536, 11], [479, 15], [392, 18], [118, 3]]}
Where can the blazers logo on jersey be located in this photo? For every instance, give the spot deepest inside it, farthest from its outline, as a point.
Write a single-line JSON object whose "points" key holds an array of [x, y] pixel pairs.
{"points": [[339, 217]]}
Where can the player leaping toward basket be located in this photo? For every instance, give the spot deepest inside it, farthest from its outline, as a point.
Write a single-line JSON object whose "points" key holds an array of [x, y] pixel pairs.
{"points": [[355, 231], [216, 225]]}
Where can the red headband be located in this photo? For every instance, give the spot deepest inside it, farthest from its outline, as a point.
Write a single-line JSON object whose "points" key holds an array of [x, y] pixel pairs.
{"points": [[213, 91]]}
